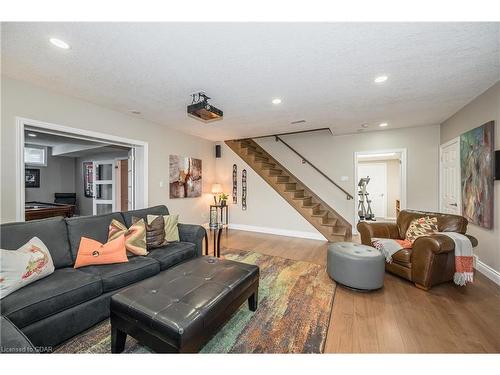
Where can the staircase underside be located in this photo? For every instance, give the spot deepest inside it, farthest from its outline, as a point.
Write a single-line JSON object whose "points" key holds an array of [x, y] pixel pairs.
{"points": [[321, 216]]}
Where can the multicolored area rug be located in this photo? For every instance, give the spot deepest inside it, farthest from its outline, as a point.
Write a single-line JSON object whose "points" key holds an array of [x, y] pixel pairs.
{"points": [[295, 303]]}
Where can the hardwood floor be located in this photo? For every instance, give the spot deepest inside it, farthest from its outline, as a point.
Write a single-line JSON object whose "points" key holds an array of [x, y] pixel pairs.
{"points": [[398, 318]]}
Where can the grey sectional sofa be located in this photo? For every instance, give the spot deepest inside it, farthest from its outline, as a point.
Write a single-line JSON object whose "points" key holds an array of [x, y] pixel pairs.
{"points": [[69, 301]]}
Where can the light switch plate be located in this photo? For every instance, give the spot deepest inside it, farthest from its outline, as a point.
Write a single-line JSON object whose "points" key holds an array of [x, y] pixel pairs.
{"points": [[344, 178]]}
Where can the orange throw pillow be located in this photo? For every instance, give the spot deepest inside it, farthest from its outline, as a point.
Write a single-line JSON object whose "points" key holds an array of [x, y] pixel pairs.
{"points": [[92, 252]]}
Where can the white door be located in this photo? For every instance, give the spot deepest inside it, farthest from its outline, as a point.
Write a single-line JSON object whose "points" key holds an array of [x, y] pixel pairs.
{"points": [[450, 192], [104, 187], [377, 187]]}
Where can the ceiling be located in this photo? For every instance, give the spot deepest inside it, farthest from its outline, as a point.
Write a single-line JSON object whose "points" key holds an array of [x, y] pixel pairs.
{"points": [[71, 147], [323, 72]]}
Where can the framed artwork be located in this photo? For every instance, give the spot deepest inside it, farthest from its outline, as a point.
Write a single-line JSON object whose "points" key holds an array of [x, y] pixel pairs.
{"points": [[31, 178], [185, 177], [477, 174], [244, 189], [235, 183], [88, 179]]}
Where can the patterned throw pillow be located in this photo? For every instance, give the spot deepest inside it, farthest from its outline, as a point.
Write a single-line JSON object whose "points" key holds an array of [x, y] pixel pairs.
{"points": [[422, 226], [92, 252], [135, 236], [155, 232], [171, 229], [23, 266]]}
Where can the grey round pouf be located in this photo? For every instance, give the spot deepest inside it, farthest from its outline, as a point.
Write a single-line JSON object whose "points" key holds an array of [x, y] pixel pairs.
{"points": [[356, 266]]}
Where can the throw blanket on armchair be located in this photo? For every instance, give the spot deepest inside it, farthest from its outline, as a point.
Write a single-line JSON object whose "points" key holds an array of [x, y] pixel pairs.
{"points": [[463, 258], [463, 254]]}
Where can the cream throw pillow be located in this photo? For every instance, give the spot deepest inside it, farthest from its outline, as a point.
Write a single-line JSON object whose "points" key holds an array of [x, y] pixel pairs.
{"points": [[171, 229], [29, 263]]}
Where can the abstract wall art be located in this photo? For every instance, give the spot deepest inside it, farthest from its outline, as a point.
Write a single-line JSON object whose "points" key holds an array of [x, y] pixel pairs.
{"points": [[184, 177], [477, 179]]}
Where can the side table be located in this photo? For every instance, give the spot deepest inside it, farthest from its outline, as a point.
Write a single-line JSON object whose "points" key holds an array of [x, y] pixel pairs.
{"points": [[216, 233]]}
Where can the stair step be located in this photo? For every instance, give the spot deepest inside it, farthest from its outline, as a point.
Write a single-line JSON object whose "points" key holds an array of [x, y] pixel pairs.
{"points": [[282, 179], [254, 152], [301, 198], [330, 223], [298, 193], [311, 206], [275, 172], [321, 213], [266, 166], [247, 145], [261, 158]]}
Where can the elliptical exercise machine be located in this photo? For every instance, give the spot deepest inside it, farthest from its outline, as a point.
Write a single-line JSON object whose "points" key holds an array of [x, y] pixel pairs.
{"points": [[364, 211]]}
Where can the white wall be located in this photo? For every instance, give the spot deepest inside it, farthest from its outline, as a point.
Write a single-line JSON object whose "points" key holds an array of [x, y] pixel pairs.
{"points": [[26, 100], [335, 156], [56, 177], [484, 108]]}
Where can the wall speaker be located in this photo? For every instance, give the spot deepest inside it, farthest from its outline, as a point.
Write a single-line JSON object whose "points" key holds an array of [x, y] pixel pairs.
{"points": [[218, 151]]}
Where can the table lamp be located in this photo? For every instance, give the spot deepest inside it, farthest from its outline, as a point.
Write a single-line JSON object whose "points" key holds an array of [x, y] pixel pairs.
{"points": [[216, 189]]}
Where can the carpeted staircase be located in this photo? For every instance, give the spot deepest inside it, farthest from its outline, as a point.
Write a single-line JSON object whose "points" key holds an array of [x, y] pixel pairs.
{"points": [[321, 216]]}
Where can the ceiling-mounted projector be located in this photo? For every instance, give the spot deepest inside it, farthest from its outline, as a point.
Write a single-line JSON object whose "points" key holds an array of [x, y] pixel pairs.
{"points": [[202, 110]]}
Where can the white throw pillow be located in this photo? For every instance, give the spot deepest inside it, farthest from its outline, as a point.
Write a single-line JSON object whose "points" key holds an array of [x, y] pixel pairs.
{"points": [[23, 266]]}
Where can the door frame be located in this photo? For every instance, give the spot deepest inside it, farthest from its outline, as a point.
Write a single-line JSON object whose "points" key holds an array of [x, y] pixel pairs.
{"points": [[141, 150], [404, 166], [459, 195]]}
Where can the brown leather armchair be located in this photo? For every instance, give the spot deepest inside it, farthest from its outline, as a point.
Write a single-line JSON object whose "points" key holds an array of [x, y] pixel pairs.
{"points": [[431, 261]]}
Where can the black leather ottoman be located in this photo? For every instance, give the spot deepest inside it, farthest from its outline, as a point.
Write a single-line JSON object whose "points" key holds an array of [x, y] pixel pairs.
{"points": [[180, 309]]}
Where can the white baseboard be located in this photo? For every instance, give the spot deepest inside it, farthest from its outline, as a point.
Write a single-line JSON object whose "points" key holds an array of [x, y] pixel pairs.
{"points": [[279, 232], [486, 270]]}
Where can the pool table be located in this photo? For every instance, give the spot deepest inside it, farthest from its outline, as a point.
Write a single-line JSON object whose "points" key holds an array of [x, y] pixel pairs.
{"points": [[41, 210]]}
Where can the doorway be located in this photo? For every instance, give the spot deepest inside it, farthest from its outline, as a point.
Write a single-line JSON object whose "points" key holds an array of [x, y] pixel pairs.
{"points": [[386, 170], [377, 172], [450, 199], [83, 143]]}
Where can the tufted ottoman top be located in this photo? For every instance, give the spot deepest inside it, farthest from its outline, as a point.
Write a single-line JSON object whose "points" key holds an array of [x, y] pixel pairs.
{"points": [[180, 302], [353, 250]]}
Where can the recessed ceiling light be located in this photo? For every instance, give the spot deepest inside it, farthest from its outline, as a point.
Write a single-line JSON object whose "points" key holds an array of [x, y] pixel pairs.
{"points": [[276, 101], [33, 135], [380, 79], [135, 112], [364, 125], [59, 43], [383, 125]]}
